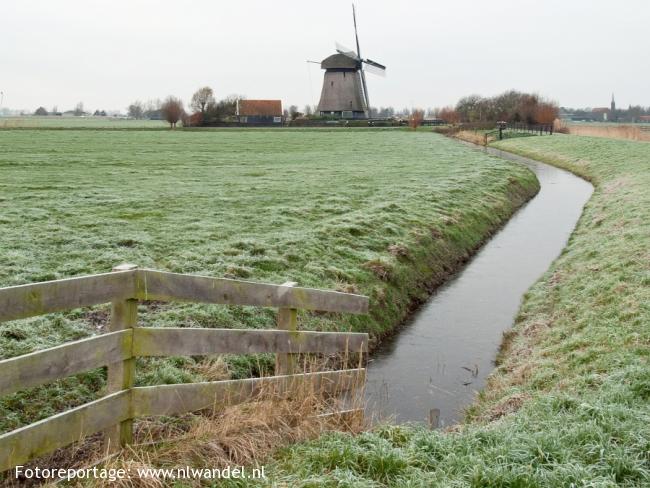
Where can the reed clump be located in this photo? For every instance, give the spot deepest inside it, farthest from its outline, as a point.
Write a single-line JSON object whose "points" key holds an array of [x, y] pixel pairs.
{"points": [[475, 137], [631, 132]]}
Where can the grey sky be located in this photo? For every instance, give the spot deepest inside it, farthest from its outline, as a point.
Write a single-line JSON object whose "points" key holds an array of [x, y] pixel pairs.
{"points": [[109, 53]]}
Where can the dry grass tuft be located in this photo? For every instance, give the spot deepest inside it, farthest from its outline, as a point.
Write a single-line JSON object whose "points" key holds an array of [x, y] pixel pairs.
{"points": [[242, 435], [474, 137], [212, 369], [507, 406], [237, 435], [345, 287], [535, 328], [381, 269], [560, 126], [398, 250]]}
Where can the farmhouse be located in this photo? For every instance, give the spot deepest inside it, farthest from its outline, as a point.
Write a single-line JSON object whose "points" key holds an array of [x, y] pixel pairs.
{"points": [[259, 112]]}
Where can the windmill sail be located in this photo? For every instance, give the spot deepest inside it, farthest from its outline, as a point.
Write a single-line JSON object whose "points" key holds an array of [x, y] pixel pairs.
{"points": [[375, 70], [363, 75], [375, 64], [341, 49]]}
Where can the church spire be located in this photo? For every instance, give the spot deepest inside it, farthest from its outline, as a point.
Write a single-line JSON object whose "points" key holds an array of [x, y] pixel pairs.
{"points": [[613, 105]]}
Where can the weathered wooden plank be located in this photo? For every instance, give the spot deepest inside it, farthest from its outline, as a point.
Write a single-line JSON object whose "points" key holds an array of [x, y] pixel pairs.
{"points": [[121, 374], [17, 302], [287, 320], [173, 341], [158, 285], [45, 436], [57, 362], [176, 399], [347, 416]]}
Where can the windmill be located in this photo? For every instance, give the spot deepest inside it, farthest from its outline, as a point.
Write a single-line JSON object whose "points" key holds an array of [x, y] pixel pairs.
{"points": [[345, 91]]}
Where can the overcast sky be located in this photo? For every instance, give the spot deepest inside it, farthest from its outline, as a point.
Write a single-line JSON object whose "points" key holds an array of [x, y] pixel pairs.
{"points": [[110, 53]]}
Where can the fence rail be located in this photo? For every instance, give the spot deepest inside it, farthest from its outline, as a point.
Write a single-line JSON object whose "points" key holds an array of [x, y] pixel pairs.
{"points": [[117, 350], [530, 128]]}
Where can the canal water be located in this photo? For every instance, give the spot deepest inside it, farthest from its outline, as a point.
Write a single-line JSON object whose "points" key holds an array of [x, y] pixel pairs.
{"points": [[433, 367]]}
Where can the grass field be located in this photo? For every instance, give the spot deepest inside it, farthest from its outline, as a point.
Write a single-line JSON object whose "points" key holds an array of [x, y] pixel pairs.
{"points": [[569, 403], [384, 213], [60, 122]]}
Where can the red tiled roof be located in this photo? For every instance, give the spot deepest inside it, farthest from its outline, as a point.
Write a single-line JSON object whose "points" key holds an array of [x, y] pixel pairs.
{"points": [[260, 107]]}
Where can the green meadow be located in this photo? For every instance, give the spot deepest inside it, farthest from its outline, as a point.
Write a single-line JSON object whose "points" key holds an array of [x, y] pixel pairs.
{"points": [[386, 213], [70, 122], [569, 402]]}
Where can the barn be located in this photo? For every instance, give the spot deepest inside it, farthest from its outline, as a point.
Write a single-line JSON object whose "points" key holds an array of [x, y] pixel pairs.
{"points": [[259, 112]]}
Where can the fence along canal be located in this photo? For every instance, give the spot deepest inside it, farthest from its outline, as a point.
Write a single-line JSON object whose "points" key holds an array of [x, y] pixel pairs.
{"points": [[114, 413]]}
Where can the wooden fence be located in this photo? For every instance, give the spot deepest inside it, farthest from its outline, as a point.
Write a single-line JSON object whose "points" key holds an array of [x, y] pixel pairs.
{"points": [[114, 413]]}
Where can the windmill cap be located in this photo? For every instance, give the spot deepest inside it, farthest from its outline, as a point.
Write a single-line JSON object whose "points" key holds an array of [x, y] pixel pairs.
{"points": [[339, 61]]}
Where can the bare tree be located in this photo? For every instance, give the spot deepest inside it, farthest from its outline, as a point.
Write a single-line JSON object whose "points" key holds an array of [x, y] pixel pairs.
{"points": [[172, 110], [201, 99], [449, 115], [546, 112], [136, 110], [79, 109], [293, 112], [416, 118], [152, 109]]}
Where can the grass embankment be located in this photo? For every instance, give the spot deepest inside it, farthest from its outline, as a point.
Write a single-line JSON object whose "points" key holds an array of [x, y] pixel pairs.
{"points": [[569, 403], [384, 213]]}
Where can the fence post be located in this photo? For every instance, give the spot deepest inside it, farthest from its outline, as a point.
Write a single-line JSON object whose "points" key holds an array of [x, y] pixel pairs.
{"points": [[121, 375], [287, 320]]}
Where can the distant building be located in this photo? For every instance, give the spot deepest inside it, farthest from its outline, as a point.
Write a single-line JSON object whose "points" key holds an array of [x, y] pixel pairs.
{"points": [[433, 121], [604, 114], [259, 112], [644, 118], [600, 113]]}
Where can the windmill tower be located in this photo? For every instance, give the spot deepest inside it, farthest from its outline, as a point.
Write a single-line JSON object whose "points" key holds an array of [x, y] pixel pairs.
{"points": [[345, 92]]}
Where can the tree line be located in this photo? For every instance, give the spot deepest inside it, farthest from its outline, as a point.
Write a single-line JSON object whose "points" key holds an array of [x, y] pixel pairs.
{"points": [[206, 109], [78, 111], [510, 106], [632, 114]]}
